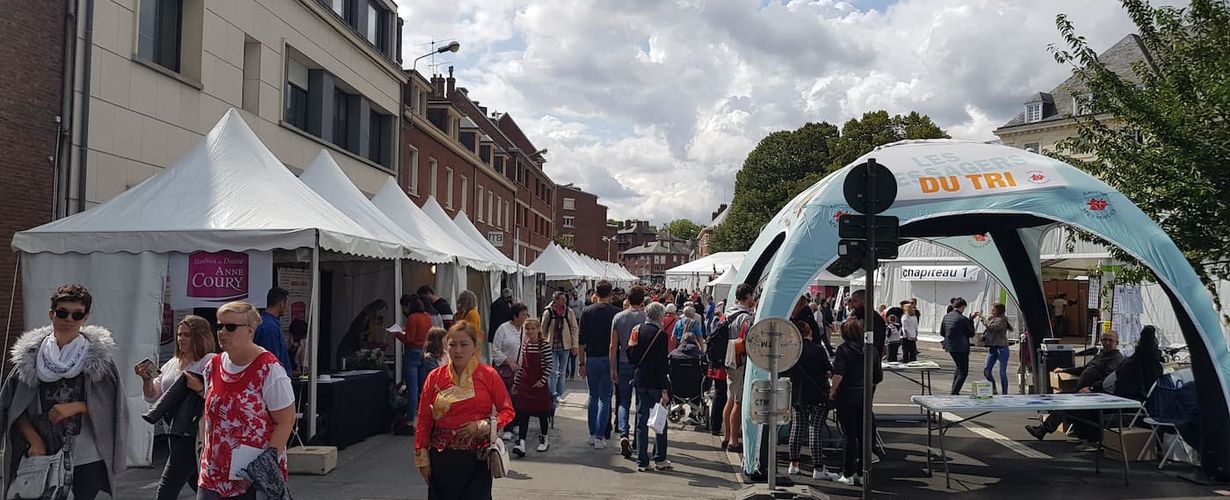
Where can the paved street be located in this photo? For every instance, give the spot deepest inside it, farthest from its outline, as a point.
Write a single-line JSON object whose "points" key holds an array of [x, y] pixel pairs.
{"points": [[991, 459]]}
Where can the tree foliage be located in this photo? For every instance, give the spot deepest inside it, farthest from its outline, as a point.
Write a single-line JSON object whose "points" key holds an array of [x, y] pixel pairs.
{"points": [[1161, 135], [682, 228], [787, 162]]}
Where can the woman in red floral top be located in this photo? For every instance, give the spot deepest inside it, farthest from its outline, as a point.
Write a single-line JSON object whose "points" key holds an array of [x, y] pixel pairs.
{"points": [[454, 424]]}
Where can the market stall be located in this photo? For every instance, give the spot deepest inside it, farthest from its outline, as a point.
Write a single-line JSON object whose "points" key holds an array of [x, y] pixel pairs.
{"points": [[695, 274]]}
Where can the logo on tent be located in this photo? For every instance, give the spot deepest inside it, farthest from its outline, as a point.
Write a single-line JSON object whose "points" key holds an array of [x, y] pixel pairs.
{"points": [[1097, 205], [837, 216], [980, 240], [1037, 177]]}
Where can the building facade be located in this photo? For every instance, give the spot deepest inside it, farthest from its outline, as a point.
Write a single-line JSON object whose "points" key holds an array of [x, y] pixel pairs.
{"points": [[153, 76], [715, 219], [634, 233], [32, 132], [447, 155], [581, 223], [1047, 117], [535, 210], [651, 260]]}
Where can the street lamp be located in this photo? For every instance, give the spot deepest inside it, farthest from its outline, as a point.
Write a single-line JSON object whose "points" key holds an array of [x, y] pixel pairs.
{"points": [[608, 241], [452, 46]]}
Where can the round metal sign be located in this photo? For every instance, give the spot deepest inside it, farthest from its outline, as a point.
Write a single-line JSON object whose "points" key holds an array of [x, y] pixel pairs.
{"points": [[884, 189], [761, 338]]}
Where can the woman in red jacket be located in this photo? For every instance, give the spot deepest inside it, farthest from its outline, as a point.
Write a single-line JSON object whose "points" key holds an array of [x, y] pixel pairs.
{"points": [[455, 420]]}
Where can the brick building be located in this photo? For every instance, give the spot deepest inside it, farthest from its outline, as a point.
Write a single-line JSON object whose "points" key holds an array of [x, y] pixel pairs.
{"points": [[581, 223], [651, 260], [31, 83], [634, 233], [477, 162], [450, 156]]}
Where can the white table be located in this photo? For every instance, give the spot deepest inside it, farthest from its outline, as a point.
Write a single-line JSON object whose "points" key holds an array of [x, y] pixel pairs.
{"points": [[936, 406], [923, 368]]}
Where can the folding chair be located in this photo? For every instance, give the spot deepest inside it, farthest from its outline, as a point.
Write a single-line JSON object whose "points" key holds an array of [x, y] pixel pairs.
{"points": [[1158, 419]]}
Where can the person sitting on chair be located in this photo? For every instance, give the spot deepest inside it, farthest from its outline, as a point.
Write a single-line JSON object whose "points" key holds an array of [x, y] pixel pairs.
{"points": [[1093, 373], [688, 349]]}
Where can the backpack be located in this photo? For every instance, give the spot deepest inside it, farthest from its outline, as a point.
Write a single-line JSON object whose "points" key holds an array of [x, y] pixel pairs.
{"points": [[718, 341]]}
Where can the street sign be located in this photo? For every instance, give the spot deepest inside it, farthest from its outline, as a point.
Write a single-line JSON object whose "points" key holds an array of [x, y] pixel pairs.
{"points": [[852, 253], [759, 343], [870, 198], [760, 401], [854, 226]]}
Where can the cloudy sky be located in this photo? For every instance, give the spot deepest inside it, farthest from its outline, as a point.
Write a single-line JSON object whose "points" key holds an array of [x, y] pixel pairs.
{"points": [[654, 104]]}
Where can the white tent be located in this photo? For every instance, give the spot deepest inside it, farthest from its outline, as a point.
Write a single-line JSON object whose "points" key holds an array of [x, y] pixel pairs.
{"points": [[227, 193], [721, 285], [557, 265], [392, 201], [467, 229], [494, 261], [695, 274]]}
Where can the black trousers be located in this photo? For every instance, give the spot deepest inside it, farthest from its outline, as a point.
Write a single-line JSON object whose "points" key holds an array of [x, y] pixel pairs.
{"points": [[180, 469], [89, 479], [523, 423], [909, 350], [458, 475], [961, 359], [850, 417], [893, 347], [719, 402]]}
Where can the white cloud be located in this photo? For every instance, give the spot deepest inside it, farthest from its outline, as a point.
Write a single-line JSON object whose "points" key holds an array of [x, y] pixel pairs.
{"points": [[653, 105]]}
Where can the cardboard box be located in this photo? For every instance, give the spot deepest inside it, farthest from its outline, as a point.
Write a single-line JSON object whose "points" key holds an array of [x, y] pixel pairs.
{"points": [[1134, 440], [1063, 382], [313, 460]]}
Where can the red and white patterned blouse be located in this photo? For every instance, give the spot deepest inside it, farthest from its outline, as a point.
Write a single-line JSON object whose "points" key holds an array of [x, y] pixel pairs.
{"points": [[235, 414]]}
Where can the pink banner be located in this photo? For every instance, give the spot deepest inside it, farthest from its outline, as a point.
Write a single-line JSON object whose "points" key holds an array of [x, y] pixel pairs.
{"points": [[218, 276]]}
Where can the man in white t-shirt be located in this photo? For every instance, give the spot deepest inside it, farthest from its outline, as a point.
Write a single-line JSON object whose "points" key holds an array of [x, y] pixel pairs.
{"points": [[1059, 320]]}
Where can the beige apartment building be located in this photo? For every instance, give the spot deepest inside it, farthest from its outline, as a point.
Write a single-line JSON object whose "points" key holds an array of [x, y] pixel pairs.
{"points": [[158, 74]]}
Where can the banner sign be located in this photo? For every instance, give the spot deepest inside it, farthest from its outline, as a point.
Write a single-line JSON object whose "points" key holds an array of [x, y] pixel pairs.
{"points": [[941, 273], [210, 279], [298, 282], [951, 175]]}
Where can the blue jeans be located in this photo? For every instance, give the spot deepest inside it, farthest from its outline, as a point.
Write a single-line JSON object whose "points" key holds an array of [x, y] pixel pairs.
{"points": [[413, 374], [598, 374], [645, 399], [999, 353], [623, 398], [555, 383]]}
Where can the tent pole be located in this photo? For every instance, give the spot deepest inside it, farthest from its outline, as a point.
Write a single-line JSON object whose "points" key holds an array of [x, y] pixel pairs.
{"points": [[314, 333], [397, 349]]}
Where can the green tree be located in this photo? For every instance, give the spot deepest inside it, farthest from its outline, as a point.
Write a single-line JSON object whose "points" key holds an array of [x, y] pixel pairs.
{"points": [[682, 228], [1161, 135], [565, 241], [785, 163]]}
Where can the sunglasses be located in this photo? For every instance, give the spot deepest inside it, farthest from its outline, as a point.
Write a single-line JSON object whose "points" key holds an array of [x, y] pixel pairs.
{"points": [[77, 316], [230, 327]]}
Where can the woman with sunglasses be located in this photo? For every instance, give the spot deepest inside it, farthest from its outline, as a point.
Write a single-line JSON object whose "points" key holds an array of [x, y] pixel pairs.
{"points": [[249, 404], [195, 346], [64, 397]]}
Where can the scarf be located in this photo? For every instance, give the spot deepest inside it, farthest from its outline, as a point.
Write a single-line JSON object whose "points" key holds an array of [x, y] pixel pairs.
{"points": [[462, 389], [55, 363]]}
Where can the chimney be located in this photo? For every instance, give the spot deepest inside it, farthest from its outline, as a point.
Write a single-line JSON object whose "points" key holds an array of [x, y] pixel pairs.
{"points": [[437, 84], [481, 109], [452, 83]]}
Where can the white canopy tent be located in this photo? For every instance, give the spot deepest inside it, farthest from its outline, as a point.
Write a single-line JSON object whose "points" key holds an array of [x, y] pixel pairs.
{"points": [[227, 193], [721, 285], [516, 280], [558, 265], [494, 261], [695, 274]]}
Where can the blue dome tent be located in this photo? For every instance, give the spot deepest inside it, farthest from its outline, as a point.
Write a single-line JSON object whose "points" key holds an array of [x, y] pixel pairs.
{"points": [[993, 204]]}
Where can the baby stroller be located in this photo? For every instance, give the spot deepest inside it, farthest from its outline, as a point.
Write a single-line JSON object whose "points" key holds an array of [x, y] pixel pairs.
{"points": [[689, 405]]}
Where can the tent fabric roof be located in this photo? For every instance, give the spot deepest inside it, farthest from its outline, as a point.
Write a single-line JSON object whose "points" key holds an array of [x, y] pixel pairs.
{"points": [[727, 277], [467, 229], [228, 193], [326, 178], [706, 265], [559, 263], [394, 203], [485, 259]]}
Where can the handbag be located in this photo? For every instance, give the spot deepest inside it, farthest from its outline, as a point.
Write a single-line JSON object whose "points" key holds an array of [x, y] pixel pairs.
{"points": [[497, 453], [38, 477]]}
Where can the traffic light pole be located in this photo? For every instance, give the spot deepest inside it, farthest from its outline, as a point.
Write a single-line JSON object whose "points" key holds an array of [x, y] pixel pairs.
{"points": [[869, 348]]}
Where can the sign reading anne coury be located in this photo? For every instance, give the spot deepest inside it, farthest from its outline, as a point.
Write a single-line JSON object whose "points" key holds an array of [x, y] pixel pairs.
{"points": [[963, 174]]}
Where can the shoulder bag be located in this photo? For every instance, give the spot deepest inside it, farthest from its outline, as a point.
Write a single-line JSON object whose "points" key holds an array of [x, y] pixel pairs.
{"points": [[38, 477], [497, 453]]}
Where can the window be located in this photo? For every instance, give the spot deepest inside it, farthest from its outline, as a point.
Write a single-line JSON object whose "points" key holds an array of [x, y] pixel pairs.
{"points": [[339, 8], [1032, 147], [499, 210], [1082, 104], [296, 100], [499, 164], [413, 182], [570, 204], [448, 184], [433, 169], [251, 74], [1033, 112], [159, 32], [371, 32], [379, 140], [478, 209], [490, 207], [549, 198], [465, 192], [507, 216], [566, 239], [570, 221], [341, 119]]}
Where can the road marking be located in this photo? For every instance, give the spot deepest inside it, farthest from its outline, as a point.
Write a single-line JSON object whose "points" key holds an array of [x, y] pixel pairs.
{"points": [[1007, 442]]}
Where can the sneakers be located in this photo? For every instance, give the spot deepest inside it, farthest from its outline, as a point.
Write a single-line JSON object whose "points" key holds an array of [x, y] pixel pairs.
{"points": [[824, 475], [508, 436], [599, 444], [875, 459], [643, 468], [855, 480], [519, 448], [794, 469], [1036, 431], [543, 444], [1088, 446], [625, 447], [663, 465], [591, 441]]}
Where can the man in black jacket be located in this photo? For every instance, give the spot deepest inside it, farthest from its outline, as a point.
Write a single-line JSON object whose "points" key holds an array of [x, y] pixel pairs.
{"points": [[1090, 376], [501, 312], [957, 329]]}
